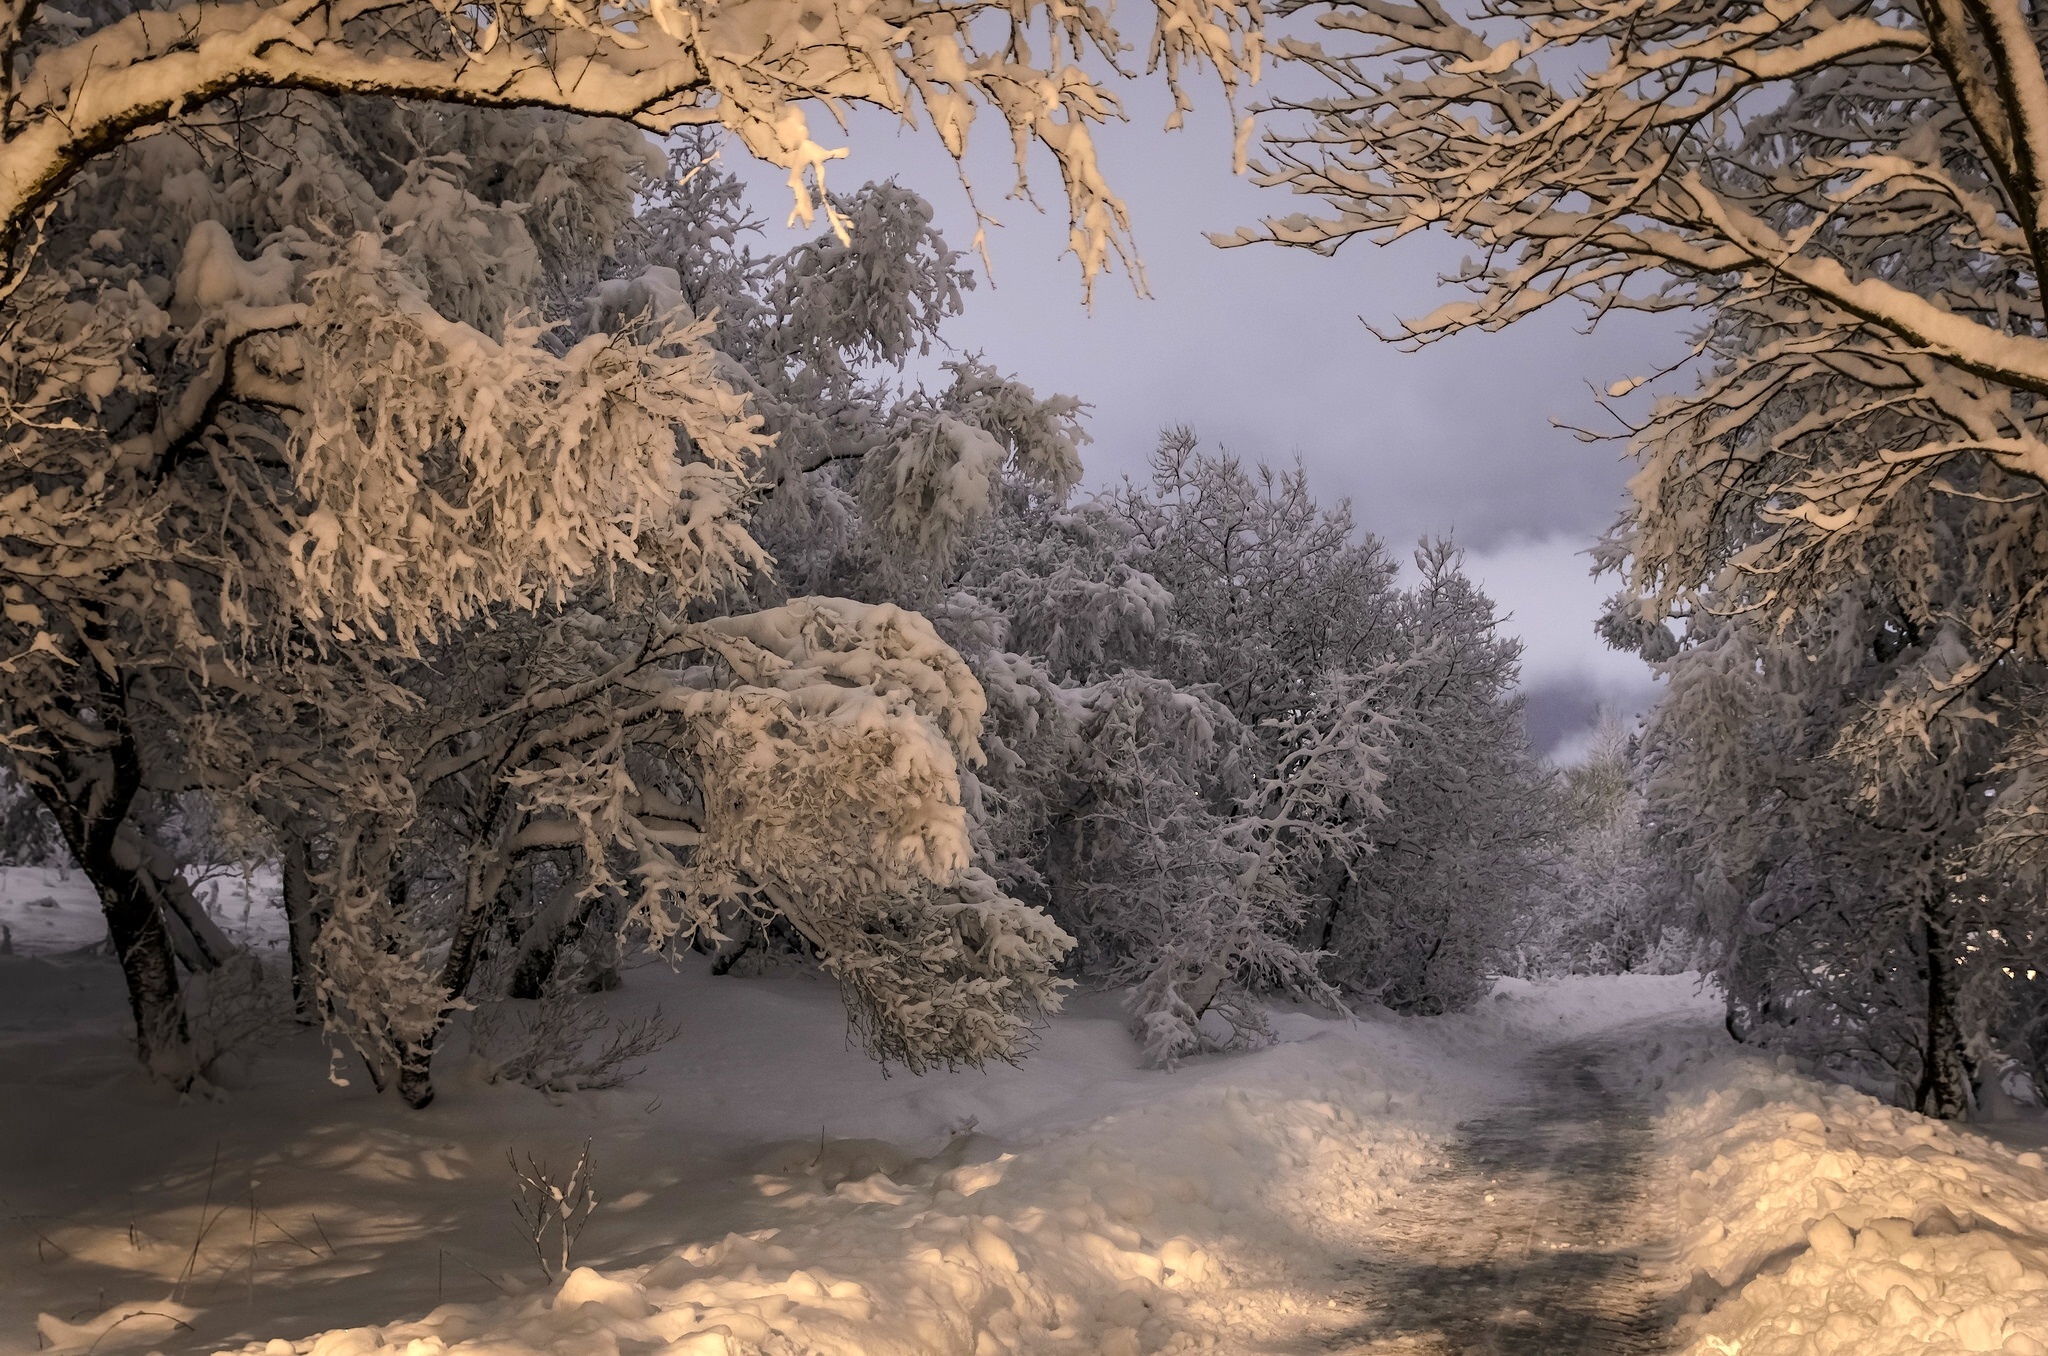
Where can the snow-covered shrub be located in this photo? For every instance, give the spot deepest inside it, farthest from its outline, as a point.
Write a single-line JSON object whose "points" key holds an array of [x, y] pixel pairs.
{"points": [[1165, 889], [565, 1043], [235, 1010], [1227, 740], [1425, 906], [554, 1207], [1857, 928], [1597, 910]]}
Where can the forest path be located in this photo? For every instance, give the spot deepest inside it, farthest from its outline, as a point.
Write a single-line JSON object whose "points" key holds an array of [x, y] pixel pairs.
{"points": [[1531, 1241]]}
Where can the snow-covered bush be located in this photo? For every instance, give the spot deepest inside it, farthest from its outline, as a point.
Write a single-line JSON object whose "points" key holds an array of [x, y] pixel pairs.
{"points": [[1471, 817], [1853, 927], [1599, 911], [1162, 877], [565, 1043], [1230, 752]]}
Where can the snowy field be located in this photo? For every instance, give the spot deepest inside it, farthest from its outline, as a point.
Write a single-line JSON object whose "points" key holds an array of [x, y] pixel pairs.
{"points": [[764, 1189], [48, 910]]}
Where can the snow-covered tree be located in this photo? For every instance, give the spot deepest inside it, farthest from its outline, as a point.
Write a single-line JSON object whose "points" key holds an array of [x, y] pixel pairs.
{"points": [[1424, 910], [1171, 889], [1272, 591], [419, 495], [240, 489], [1851, 197], [1599, 911], [801, 767], [79, 85], [1217, 713], [1413, 866], [1846, 924]]}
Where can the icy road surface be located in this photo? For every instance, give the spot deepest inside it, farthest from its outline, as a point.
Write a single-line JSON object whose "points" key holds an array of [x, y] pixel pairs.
{"points": [[1533, 1238]]}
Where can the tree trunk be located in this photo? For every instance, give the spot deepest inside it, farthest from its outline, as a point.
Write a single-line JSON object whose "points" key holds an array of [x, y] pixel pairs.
{"points": [[196, 939], [1944, 1089], [416, 1073], [136, 926], [90, 804], [484, 893], [1329, 894], [412, 1073], [557, 928], [742, 935], [299, 924]]}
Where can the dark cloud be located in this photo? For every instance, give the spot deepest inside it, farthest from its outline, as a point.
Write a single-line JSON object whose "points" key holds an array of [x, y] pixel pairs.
{"points": [[1559, 714]]}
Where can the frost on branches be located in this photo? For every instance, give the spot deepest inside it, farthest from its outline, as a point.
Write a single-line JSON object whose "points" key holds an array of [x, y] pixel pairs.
{"points": [[78, 86], [1845, 512], [1851, 194], [1232, 757], [407, 523]]}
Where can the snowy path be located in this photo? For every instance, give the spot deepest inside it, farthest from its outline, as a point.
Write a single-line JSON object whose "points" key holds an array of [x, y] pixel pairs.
{"points": [[1531, 1240]]}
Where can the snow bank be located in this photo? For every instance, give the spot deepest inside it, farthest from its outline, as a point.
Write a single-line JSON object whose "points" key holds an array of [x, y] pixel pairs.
{"points": [[1148, 1232], [44, 910], [1813, 1219]]}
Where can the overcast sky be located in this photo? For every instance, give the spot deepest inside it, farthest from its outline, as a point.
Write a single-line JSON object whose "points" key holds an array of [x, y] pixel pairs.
{"points": [[1266, 352]]}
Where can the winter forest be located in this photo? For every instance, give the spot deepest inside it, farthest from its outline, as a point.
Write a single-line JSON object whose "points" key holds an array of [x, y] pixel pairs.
{"points": [[545, 662]]}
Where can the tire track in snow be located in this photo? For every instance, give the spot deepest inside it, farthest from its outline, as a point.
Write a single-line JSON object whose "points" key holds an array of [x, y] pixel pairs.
{"points": [[1531, 1242]]}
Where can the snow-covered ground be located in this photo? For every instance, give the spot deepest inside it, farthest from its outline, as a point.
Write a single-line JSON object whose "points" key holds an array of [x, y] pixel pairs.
{"points": [[761, 1177], [1813, 1219], [47, 910], [764, 1188]]}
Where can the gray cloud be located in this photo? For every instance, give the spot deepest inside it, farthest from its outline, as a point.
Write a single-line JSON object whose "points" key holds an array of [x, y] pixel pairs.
{"points": [[1266, 351], [1543, 587]]}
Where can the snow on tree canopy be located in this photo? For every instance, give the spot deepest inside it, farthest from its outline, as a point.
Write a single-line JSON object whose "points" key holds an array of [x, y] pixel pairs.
{"points": [[420, 547]]}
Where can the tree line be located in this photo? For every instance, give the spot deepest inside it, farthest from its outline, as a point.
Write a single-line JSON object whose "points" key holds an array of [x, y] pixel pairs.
{"points": [[866, 685], [438, 487]]}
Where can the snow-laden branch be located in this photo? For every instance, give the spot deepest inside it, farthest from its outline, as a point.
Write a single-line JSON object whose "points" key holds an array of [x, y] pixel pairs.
{"points": [[748, 65], [1854, 194], [1622, 173]]}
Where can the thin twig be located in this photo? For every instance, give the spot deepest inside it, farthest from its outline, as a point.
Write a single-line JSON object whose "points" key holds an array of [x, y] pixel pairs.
{"points": [[192, 1259], [272, 1222], [486, 1275], [139, 1313], [252, 1240], [324, 1238]]}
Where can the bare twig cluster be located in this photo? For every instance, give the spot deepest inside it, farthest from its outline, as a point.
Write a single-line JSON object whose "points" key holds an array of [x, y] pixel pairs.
{"points": [[553, 1211]]}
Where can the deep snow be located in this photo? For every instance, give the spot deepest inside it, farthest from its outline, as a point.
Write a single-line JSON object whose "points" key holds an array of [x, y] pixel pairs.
{"points": [[764, 1187], [1815, 1219]]}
